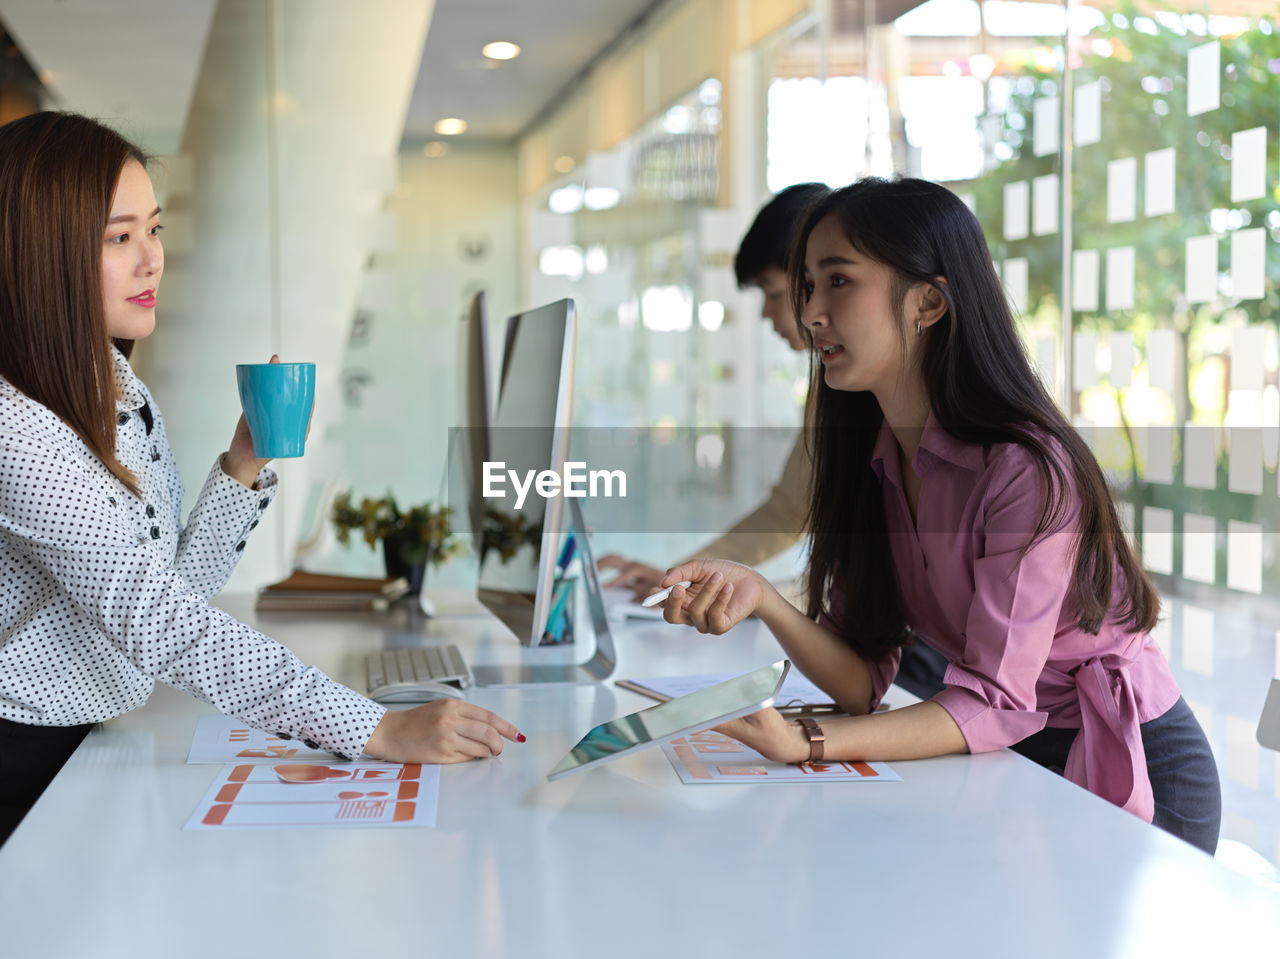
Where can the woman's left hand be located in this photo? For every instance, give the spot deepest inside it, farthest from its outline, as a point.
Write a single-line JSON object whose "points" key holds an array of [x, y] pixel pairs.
{"points": [[239, 462], [769, 734]]}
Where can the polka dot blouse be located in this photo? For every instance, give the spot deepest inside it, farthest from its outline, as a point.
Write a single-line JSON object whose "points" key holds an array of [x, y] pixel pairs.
{"points": [[102, 592]]}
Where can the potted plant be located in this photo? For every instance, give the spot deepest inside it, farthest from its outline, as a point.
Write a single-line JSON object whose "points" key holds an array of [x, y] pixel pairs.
{"points": [[410, 538]]}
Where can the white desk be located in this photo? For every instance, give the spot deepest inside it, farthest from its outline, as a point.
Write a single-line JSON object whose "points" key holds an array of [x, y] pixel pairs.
{"points": [[985, 855]]}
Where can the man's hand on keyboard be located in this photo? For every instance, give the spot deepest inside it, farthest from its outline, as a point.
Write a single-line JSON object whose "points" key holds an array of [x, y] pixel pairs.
{"points": [[445, 731]]}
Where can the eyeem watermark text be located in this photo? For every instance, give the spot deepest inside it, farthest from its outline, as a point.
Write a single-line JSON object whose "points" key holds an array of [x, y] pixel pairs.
{"points": [[575, 481]]}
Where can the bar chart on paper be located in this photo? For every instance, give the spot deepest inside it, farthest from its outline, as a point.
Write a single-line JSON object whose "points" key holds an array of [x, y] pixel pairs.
{"points": [[712, 757], [318, 795]]}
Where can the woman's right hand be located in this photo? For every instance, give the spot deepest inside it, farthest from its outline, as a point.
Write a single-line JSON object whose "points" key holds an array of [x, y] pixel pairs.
{"points": [[444, 731], [721, 595]]}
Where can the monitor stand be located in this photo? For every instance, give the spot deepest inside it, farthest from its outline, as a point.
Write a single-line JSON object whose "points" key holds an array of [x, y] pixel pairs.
{"points": [[603, 661]]}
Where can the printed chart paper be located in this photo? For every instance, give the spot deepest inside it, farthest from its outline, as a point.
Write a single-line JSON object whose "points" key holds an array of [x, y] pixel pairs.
{"points": [[223, 739], [710, 757], [338, 795]]}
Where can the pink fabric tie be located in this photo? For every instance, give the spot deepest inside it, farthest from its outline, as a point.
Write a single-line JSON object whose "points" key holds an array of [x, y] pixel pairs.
{"points": [[1107, 758]]}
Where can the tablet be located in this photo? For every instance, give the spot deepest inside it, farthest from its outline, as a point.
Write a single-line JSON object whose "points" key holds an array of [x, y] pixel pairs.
{"points": [[693, 712]]}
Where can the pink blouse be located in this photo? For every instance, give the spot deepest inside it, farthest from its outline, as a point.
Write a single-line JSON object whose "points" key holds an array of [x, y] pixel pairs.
{"points": [[1018, 660]]}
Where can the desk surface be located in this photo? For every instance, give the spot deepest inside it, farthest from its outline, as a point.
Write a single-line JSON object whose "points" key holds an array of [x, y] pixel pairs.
{"points": [[968, 855]]}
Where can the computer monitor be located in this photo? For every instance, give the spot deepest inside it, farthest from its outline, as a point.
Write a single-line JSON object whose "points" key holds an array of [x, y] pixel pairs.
{"points": [[529, 434], [475, 405]]}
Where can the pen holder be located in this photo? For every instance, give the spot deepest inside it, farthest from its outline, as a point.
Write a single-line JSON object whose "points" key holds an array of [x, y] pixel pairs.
{"points": [[560, 618]]}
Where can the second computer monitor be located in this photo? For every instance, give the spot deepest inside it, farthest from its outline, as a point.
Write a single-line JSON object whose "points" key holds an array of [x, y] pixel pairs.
{"points": [[529, 434]]}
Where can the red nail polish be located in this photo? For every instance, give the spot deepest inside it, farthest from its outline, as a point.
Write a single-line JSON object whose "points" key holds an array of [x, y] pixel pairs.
{"points": [[519, 737]]}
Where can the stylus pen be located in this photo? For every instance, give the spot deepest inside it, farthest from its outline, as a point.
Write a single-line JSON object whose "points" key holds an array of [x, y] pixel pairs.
{"points": [[821, 709], [566, 552]]}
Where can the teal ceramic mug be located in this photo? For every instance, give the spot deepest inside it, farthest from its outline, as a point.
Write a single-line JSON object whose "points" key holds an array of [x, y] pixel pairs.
{"points": [[277, 399]]}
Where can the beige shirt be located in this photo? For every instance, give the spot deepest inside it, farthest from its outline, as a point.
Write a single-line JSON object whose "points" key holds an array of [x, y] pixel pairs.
{"points": [[777, 523]]}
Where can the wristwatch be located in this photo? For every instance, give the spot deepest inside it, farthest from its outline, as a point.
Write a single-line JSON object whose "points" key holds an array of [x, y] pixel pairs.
{"points": [[816, 738]]}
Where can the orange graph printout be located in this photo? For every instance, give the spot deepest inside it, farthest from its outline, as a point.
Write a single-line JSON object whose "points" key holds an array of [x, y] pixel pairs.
{"points": [[712, 757], [300, 795]]}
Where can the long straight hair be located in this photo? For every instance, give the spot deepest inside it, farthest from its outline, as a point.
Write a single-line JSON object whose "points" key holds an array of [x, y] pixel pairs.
{"points": [[58, 175], [983, 391]]}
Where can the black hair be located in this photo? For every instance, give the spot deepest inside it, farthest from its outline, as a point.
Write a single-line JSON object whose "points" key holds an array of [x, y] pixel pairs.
{"points": [[982, 390], [768, 241]]}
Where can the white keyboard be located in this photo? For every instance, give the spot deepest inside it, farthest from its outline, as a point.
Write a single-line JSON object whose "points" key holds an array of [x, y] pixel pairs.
{"points": [[402, 668]]}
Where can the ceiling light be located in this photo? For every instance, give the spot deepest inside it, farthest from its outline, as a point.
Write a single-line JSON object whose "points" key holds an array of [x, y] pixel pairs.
{"points": [[450, 126], [501, 50], [563, 164], [435, 148]]}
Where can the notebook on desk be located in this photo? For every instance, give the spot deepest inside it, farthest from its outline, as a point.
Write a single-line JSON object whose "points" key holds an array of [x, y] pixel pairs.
{"points": [[303, 592]]}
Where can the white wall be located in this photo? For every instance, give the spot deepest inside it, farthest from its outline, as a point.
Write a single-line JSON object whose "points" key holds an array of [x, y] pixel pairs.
{"points": [[454, 220], [291, 140]]}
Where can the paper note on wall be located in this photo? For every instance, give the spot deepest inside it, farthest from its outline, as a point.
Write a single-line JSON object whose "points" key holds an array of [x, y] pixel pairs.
{"points": [[1248, 164], [1199, 547], [1204, 78], [1244, 556], [1122, 190], [1248, 347], [1084, 360], [1014, 275], [1088, 113], [1120, 278], [1248, 264], [1159, 188], [1044, 205], [1084, 281], [1157, 442], [1202, 269], [1045, 123], [1161, 352], [1016, 209], [1121, 348], [1200, 456], [1244, 459], [1157, 539]]}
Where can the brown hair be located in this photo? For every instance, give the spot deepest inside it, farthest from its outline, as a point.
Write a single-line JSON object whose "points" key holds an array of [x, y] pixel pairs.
{"points": [[58, 174]]}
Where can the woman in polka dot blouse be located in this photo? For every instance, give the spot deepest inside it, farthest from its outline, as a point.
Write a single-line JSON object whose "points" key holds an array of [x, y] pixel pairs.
{"points": [[103, 590]]}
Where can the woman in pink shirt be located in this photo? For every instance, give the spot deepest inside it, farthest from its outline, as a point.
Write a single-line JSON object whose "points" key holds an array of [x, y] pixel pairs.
{"points": [[954, 505]]}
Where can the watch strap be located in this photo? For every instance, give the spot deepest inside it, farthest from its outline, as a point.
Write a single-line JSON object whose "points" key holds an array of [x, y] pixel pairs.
{"points": [[816, 738]]}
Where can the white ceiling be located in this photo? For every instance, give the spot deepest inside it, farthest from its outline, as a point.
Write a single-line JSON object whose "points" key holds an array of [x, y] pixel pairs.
{"points": [[137, 61], [559, 38], [130, 62]]}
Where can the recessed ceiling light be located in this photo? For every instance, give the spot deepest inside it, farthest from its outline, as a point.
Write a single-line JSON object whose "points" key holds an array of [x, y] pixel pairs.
{"points": [[450, 126], [563, 164], [435, 149], [501, 50]]}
